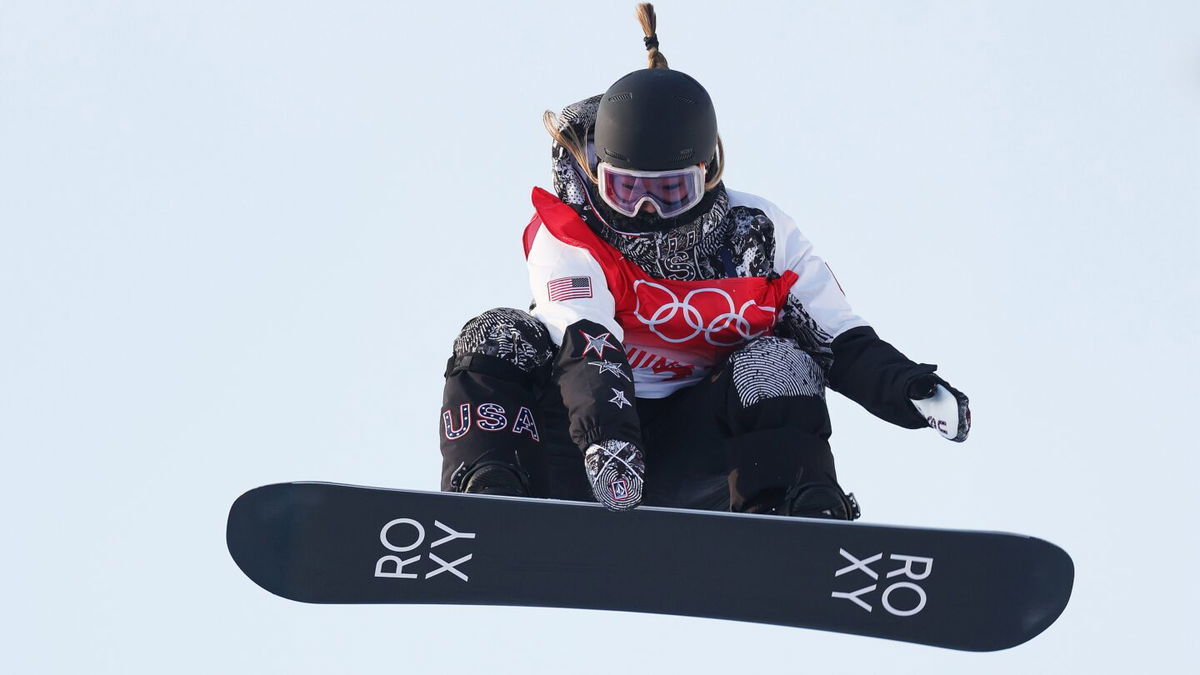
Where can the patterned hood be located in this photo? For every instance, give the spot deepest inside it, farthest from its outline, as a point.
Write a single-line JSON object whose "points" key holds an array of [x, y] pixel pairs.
{"points": [[648, 241]]}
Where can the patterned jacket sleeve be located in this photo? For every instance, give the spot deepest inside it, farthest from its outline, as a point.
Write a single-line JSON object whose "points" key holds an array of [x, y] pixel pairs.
{"points": [[572, 298], [860, 365]]}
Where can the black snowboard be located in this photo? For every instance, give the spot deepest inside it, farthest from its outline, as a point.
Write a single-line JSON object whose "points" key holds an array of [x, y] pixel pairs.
{"points": [[329, 543]]}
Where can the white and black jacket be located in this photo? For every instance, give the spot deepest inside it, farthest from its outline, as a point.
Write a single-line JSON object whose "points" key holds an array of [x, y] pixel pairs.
{"points": [[673, 302]]}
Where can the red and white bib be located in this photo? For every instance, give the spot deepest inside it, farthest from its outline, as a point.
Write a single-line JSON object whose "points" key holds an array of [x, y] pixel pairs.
{"points": [[674, 331]]}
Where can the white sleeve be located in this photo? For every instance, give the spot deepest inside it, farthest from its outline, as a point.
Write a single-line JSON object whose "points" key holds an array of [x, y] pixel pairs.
{"points": [[551, 260], [817, 289]]}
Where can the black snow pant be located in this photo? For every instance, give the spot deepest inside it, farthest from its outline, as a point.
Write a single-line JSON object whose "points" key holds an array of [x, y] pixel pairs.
{"points": [[738, 440]]}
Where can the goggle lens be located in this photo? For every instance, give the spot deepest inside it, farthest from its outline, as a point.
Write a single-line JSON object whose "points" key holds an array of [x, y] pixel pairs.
{"points": [[670, 192]]}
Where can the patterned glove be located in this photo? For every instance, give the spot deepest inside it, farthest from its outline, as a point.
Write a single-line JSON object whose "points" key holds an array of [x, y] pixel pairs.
{"points": [[944, 407], [617, 472]]}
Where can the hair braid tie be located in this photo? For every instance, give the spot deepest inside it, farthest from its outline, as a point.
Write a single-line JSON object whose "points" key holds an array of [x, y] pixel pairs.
{"points": [[651, 41]]}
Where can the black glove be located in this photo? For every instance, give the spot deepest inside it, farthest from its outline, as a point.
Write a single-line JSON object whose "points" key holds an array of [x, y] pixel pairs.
{"points": [[944, 407]]}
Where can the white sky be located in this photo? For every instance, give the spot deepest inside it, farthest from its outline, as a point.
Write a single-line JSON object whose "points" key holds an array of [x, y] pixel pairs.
{"points": [[237, 239]]}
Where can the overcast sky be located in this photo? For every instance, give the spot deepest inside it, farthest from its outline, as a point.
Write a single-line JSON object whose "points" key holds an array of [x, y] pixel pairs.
{"points": [[238, 238]]}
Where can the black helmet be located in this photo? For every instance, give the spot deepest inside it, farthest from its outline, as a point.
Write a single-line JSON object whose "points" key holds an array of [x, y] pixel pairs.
{"points": [[655, 119]]}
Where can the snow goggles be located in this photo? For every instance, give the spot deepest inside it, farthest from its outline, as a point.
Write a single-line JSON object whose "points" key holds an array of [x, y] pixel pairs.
{"points": [[670, 192]]}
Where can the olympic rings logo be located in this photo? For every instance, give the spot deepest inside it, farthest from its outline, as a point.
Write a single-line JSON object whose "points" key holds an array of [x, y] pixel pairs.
{"points": [[731, 321]]}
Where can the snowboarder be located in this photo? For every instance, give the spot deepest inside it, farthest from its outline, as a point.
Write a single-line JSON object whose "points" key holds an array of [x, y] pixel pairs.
{"points": [[682, 334]]}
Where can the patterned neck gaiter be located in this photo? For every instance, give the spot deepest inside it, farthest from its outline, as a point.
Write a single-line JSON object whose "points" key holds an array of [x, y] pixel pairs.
{"points": [[660, 246]]}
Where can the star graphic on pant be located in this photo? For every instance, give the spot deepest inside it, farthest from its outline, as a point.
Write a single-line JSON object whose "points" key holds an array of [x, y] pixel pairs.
{"points": [[597, 344], [609, 367], [619, 400]]}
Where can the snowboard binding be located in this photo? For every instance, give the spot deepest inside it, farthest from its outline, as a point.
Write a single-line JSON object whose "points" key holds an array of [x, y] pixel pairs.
{"points": [[807, 500], [490, 478], [821, 500]]}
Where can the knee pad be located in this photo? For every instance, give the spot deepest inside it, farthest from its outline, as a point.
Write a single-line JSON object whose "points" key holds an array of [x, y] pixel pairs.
{"points": [[510, 335], [772, 367]]}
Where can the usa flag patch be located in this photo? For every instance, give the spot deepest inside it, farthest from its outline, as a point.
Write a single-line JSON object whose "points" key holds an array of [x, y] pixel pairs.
{"points": [[569, 288]]}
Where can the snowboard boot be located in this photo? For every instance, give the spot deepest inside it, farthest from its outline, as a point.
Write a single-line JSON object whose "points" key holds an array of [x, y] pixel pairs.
{"points": [[492, 478], [798, 481]]}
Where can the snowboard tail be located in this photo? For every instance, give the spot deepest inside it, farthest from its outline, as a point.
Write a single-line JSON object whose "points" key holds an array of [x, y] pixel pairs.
{"points": [[330, 543]]}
